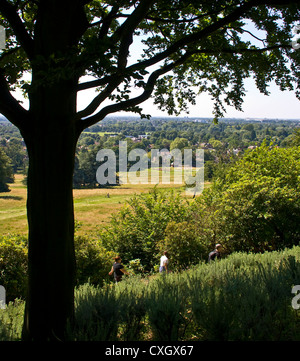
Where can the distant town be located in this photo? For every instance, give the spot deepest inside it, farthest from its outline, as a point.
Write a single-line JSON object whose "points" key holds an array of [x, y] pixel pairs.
{"points": [[125, 118]]}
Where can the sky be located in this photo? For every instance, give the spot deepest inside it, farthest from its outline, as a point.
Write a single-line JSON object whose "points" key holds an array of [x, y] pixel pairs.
{"points": [[277, 105]]}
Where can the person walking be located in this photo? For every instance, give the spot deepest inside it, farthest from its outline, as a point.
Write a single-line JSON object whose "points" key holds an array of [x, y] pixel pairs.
{"points": [[118, 269], [216, 253], [164, 262]]}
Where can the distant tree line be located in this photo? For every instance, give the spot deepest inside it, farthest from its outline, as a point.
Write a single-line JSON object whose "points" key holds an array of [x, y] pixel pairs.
{"points": [[233, 134], [223, 143]]}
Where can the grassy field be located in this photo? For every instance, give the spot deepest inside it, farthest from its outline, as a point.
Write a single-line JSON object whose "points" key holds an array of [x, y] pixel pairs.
{"points": [[93, 207]]}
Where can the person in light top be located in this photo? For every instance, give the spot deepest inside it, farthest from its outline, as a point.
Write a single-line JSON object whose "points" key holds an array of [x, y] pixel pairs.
{"points": [[164, 262]]}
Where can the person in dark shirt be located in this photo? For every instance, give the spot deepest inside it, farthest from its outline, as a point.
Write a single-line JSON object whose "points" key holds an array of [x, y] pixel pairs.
{"points": [[118, 269], [216, 253]]}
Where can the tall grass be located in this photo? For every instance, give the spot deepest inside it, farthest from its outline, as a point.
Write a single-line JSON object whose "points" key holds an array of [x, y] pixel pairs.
{"points": [[109, 313], [11, 321], [247, 302], [243, 297]]}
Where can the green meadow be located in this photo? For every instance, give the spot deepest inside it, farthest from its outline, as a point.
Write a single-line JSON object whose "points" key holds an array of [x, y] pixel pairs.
{"points": [[93, 207]]}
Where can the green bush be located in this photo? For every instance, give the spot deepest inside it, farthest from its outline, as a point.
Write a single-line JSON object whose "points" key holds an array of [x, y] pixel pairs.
{"points": [[11, 321], [135, 231], [96, 314], [255, 206], [167, 307], [93, 261], [184, 243], [132, 308], [13, 266], [240, 298], [113, 312], [245, 297]]}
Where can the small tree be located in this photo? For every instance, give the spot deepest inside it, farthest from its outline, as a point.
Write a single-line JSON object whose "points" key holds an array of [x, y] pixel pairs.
{"points": [[6, 172], [136, 230], [256, 206], [185, 243]]}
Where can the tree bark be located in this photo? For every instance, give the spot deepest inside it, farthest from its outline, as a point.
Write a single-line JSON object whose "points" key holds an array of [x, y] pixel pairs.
{"points": [[51, 141]]}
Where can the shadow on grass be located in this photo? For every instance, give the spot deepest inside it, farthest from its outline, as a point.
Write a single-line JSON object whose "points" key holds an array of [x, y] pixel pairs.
{"points": [[16, 198]]}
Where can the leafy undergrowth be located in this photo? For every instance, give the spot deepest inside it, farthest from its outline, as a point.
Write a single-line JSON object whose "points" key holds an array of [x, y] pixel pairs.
{"points": [[243, 297]]}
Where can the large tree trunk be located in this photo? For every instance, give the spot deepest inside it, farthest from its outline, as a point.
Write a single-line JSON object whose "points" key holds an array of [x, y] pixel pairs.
{"points": [[51, 143]]}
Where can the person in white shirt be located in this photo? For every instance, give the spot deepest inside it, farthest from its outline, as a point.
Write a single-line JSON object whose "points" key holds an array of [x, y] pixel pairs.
{"points": [[164, 262]]}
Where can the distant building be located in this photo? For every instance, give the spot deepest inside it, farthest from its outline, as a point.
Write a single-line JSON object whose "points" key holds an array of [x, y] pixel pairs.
{"points": [[206, 145]]}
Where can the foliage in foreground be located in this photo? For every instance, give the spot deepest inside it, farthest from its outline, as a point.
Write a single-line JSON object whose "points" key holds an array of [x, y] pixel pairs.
{"points": [[141, 224], [92, 259], [243, 297], [252, 206], [13, 265]]}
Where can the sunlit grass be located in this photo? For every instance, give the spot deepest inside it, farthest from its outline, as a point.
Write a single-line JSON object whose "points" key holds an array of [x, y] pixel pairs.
{"points": [[93, 207]]}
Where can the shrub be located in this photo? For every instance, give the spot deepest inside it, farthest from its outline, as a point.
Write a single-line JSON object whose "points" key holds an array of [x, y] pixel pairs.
{"points": [[96, 314], [13, 266], [184, 243], [93, 261], [135, 231], [255, 205], [11, 321], [132, 308], [113, 312], [135, 266], [247, 297], [167, 307]]}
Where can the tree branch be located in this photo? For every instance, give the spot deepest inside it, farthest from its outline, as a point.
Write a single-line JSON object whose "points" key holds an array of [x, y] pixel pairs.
{"points": [[9, 52], [180, 44], [10, 107], [125, 34], [126, 30], [9, 12], [112, 85], [123, 105], [106, 23], [240, 51]]}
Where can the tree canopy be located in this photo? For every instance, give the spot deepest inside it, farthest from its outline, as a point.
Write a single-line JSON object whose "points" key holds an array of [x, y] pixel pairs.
{"points": [[186, 47], [255, 204]]}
